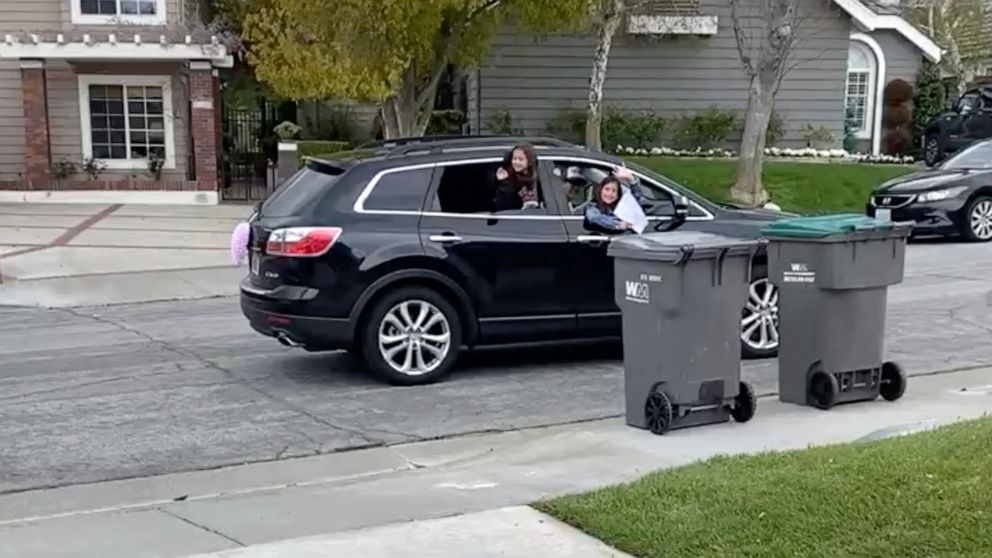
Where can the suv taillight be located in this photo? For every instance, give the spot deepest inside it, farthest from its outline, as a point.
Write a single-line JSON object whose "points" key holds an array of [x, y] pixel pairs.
{"points": [[302, 242]]}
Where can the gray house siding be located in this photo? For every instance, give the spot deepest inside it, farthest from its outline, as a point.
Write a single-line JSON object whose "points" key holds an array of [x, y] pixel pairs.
{"points": [[535, 79], [902, 59]]}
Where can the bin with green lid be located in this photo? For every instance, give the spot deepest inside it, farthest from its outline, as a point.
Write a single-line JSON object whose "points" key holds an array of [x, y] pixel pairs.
{"points": [[833, 274], [681, 295]]}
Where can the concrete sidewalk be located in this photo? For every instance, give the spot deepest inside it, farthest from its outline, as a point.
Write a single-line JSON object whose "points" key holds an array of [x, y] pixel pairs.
{"points": [[346, 494], [75, 255]]}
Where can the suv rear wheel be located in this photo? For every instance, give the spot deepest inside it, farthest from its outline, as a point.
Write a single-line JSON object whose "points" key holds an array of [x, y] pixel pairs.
{"points": [[412, 336]]}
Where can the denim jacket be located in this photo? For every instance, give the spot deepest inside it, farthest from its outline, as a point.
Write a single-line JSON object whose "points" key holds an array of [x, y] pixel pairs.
{"points": [[605, 218]]}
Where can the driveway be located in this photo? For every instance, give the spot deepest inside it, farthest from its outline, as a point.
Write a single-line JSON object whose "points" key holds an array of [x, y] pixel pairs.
{"points": [[125, 391]]}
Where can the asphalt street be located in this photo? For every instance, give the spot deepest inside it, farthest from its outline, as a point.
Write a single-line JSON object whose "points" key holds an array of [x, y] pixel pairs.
{"points": [[126, 391]]}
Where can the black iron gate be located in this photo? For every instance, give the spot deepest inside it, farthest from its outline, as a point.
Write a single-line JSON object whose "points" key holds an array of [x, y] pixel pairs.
{"points": [[250, 150]]}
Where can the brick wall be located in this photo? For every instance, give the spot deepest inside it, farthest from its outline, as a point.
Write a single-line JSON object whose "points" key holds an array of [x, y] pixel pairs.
{"points": [[37, 150], [203, 123]]}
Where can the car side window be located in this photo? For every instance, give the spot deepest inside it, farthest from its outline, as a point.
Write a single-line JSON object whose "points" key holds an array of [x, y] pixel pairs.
{"points": [[400, 191], [472, 188], [968, 103], [579, 180]]}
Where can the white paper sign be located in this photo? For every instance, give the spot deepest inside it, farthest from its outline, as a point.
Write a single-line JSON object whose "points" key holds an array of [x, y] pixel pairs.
{"points": [[629, 210]]}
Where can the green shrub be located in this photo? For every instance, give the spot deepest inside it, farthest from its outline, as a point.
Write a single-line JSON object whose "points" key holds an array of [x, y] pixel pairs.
{"points": [[637, 129], [500, 123], [706, 129], [929, 100], [446, 122], [640, 130], [333, 122], [319, 147], [817, 138], [776, 130], [569, 125]]}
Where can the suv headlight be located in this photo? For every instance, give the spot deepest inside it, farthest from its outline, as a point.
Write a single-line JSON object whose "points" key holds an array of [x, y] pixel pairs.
{"points": [[937, 195]]}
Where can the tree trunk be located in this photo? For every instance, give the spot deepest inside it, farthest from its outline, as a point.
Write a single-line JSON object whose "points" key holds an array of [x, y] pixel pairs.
{"points": [[749, 190], [407, 113], [594, 113]]}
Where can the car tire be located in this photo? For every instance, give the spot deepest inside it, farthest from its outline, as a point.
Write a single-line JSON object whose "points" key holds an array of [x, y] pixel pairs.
{"points": [[762, 301], [412, 336], [933, 149], [977, 224]]}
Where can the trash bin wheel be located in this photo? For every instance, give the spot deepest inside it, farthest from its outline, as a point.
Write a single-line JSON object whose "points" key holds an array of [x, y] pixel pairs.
{"points": [[659, 413], [745, 404], [893, 381], [823, 389]]}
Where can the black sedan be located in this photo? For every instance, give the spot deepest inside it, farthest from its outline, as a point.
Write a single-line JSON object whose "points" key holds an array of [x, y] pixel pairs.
{"points": [[954, 199]]}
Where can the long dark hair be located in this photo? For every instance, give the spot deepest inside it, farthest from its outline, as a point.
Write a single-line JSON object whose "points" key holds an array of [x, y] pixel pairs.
{"points": [[598, 193], [521, 180]]}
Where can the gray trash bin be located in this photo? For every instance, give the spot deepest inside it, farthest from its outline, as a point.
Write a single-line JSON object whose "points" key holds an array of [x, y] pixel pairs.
{"points": [[833, 274], [682, 294]]}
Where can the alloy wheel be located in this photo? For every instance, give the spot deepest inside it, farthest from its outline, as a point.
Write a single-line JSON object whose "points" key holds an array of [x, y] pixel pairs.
{"points": [[414, 337], [980, 220], [932, 151], [759, 326]]}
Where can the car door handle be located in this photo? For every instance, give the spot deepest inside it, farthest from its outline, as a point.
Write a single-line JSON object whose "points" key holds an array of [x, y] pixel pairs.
{"points": [[593, 239], [447, 237]]}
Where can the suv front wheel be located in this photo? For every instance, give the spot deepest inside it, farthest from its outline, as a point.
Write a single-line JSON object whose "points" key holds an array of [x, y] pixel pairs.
{"points": [[412, 336]]}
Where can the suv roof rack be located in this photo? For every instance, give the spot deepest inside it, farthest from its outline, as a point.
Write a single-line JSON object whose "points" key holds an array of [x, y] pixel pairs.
{"points": [[437, 144]]}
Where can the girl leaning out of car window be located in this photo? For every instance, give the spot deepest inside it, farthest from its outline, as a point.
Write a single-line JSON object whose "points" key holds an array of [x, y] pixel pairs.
{"points": [[606, 197], [518, 188]]}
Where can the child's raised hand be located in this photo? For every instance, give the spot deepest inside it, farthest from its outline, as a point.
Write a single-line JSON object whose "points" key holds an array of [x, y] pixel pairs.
{"points": [[501, 174], [623, 173]]}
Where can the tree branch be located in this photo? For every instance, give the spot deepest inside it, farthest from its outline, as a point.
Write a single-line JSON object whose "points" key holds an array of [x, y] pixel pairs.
{"points": [[742, 47]]}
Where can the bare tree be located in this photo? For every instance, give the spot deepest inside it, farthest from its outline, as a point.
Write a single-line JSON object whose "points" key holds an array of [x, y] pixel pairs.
{"points": [[606, 18], [767, 34], [949, 22]]}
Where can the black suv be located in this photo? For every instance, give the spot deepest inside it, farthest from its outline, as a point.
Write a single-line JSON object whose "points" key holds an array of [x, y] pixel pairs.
{"points": [[391, 252], [967, 122]]}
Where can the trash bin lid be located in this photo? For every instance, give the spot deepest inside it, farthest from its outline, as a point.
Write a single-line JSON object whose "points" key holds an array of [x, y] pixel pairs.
{"points": [[679, 246], [823, 226]]}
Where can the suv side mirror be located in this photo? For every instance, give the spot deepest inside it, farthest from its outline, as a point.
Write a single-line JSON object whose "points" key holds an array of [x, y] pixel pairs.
{"points": [[681, 214]]}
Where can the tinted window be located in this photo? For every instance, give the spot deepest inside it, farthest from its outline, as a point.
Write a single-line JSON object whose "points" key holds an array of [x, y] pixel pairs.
{"points": [[978, 156], [304, 188], [400, 191], [968, 102]]}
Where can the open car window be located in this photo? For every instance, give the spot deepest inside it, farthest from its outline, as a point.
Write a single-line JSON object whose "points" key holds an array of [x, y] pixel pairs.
{"points": [[579, 180]]}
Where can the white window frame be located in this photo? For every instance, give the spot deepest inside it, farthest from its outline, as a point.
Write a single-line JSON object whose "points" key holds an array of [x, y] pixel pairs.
{"points": [[79, 18], [165, 82], [872, 70]]}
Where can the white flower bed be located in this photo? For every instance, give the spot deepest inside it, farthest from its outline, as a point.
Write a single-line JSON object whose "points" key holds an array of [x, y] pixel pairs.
{"points": [[786, 153]]}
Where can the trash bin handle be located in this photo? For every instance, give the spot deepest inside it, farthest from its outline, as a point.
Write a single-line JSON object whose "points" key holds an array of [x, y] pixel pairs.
{"points": [[718, 265], [687, 250]]}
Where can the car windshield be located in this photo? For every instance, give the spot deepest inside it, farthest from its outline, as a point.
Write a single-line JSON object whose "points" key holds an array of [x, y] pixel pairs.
{"points": [[978, 156]]}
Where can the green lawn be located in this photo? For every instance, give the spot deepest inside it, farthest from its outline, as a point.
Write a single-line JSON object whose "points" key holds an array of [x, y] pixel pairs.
{"points": [[923, 495], [800, 187]]}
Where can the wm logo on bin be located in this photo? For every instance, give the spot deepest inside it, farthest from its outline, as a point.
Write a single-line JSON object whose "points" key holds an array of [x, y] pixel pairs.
{"points": [[638, 292]]}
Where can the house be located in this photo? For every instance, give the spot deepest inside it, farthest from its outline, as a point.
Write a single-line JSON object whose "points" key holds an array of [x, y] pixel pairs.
{"points": [[108, 101], [672, 62]]}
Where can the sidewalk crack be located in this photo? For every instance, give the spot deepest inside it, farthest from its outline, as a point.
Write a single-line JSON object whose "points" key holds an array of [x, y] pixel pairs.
{"points": [[203, 527]]}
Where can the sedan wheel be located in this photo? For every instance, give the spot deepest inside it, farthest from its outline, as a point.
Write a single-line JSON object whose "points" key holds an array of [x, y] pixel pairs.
{"points": [[759, 325], [980, 220]]}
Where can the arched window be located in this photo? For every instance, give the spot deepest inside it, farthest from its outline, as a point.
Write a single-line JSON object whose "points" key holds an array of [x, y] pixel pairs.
{"points": [[860, 100]]}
